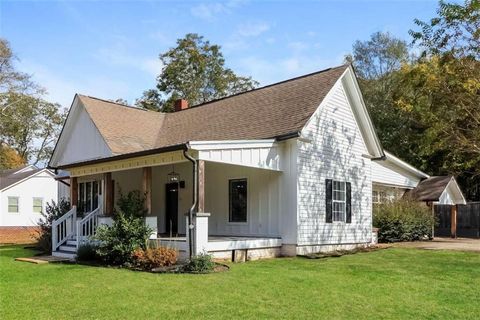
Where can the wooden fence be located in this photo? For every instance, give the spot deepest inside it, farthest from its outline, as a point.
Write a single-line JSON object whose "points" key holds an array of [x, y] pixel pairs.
{"points": [[468, 220]]}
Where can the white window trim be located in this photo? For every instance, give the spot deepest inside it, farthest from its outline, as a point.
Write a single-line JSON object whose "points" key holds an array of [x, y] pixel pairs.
{"points": [[18, 205], [236, 223], [33, 204], [344, 201]]}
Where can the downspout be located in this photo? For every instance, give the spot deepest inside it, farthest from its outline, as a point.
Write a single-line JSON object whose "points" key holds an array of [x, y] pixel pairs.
{"points": [[194, 205]]}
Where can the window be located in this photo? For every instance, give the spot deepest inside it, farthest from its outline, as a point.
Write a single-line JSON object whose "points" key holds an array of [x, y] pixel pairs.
{"points": [[339, 201], [88, 193], [238, 200], [381, 197], [13, 204], [37, 205]]}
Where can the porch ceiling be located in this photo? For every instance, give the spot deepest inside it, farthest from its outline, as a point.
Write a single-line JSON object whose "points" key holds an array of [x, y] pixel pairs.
{"points": [[262, 154]]}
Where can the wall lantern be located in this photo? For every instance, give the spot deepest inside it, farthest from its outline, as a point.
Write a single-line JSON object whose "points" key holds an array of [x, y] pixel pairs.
{"points": [[173, 176]]}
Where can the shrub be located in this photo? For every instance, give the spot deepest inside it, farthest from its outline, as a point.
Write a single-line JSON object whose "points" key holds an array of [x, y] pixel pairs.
{"points": [[116, 243], [403, 220], [132, 204], [201, 263], [87, 252], [52, 212], [151, 258]]}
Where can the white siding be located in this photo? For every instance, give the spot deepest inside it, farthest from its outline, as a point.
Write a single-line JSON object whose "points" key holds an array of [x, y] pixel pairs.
{"points": [[263, 204], [385, 172], [84, 142], [335, 152], [42, 185]]}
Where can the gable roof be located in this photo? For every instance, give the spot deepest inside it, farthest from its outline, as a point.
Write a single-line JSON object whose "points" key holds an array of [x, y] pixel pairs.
{"points": [[277, 111], [12, 176], [432, 188]]}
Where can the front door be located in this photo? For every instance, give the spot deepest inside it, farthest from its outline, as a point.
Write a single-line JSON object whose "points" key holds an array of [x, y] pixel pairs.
{"points": [[171, 210]]}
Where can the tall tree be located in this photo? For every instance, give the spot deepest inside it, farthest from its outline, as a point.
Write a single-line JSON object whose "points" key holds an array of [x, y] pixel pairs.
{"points": [[376, 62], [194, 70], [9, 158], [28, 123]]}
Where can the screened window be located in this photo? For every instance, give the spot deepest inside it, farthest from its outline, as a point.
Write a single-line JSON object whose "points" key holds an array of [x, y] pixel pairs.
{"points": [[37, 205], [339, 201], [13, 204], [238, 200]]}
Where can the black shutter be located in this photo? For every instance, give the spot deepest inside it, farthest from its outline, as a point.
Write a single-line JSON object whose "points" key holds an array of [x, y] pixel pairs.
{"points": [[328, 200], [348, 204]]}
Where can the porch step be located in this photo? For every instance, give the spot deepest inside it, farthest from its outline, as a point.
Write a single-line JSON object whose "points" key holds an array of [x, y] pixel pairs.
{"points": [[72, 242], [68, 248], [64, 254]]}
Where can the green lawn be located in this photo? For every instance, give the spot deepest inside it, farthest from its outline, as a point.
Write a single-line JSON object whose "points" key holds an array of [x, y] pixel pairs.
{"points": [[392, 283]]}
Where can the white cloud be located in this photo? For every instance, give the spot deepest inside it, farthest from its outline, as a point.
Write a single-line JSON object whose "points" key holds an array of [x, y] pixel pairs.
{"points": [[209, 11], [252, 29]]}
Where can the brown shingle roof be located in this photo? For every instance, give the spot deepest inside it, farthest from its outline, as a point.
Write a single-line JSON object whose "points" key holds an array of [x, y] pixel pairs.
{"points": [[9, 177], [268, 112], [430, 189]]}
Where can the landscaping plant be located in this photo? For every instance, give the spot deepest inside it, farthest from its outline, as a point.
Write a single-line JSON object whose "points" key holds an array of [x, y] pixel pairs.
{"points": [[87, 252], [150, 258], [403, 220], [201, 263], [53, 211]]}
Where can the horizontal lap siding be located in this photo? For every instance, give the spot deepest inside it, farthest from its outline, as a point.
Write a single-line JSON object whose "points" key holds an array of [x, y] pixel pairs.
{"points": [[335, 152], [384, 172]]}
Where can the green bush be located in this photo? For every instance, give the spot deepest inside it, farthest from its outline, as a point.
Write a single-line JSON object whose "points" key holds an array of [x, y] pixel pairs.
{"points": [[403, 220], [87, 252], [201, 263], [52, 212], [116, 243], [132, 204]]}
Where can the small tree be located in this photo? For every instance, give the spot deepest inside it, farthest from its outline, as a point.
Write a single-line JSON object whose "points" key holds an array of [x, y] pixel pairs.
{"points": [[52, 212]]}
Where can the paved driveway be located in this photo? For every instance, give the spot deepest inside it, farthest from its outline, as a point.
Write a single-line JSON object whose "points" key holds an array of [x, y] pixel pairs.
{"points": [[460, 244]]}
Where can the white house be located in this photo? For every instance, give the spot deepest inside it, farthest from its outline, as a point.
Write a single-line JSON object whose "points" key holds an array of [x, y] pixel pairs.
{"points": [[285, 169], [24, 193]]}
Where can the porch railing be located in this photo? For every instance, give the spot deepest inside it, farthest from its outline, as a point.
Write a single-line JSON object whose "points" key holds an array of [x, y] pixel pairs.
{"points": [[87, 226], [63, 228]]}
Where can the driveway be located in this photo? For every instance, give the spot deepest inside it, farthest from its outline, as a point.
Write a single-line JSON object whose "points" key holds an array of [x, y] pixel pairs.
{"points": [[459, 244]]}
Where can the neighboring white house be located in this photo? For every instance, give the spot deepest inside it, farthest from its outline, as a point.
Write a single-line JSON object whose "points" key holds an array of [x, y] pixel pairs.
{"points": [[24, 193], [285, 169]]}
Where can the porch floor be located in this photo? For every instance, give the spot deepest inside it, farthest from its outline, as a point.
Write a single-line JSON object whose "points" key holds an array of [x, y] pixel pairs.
{"points": [[224, 243]]}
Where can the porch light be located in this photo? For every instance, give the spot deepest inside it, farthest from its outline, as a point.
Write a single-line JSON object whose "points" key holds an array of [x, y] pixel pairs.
{"points": [[173, 176]]}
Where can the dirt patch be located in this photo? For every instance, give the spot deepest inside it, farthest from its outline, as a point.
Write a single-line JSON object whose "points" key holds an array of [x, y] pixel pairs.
{"points": [[459, 244]]}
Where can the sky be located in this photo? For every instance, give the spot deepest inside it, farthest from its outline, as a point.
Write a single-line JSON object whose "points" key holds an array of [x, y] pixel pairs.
{"points": [[110, 49]]}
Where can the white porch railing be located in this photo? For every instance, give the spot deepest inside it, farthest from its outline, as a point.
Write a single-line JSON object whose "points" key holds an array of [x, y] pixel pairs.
{"points": [[63, 228], [87, 226]]}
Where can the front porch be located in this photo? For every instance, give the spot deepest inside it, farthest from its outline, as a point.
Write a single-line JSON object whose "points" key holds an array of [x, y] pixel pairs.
{"points": [[239, 188]]}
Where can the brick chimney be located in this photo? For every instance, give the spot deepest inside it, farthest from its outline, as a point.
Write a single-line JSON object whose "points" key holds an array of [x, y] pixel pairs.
{"points": [[181, 104]]}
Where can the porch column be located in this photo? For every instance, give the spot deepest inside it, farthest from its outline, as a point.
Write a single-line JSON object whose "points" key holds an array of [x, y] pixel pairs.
{"points": [[201, 186], [73, 192], [453, 221], [147, 188], [108, 193]]}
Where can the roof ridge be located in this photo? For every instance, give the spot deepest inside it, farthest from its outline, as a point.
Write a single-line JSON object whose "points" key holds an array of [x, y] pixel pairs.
{"points": [[266, 86], [116, 103]]}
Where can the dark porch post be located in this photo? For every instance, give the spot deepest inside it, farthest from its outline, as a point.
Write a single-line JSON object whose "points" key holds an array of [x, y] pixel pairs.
{"points": [[147, 188], [73, 192], [201, 186], [108, 194]]}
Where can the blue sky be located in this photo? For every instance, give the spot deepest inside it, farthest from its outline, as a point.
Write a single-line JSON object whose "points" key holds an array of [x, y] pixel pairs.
{"points": [[110, 49]]}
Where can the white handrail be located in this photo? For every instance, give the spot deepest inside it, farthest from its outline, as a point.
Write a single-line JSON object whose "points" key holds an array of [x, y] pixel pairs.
{"points": [[63, 228], [87, 226]]}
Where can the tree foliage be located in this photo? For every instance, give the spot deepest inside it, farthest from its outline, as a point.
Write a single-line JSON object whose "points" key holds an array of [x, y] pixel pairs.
{"points": [[9, 158], [426, 108], [28, 123], [194, 70]]}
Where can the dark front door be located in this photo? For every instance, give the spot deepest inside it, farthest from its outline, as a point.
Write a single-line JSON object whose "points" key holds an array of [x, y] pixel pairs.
{"points": [[171, 207]]}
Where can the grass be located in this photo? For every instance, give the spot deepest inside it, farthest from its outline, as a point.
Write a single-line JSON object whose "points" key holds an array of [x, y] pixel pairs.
{"points": [[390, 284]]}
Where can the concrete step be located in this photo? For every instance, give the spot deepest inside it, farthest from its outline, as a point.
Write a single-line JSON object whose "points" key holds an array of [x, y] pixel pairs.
{"points": [[64, 254], [68, 248], [72, 242]]}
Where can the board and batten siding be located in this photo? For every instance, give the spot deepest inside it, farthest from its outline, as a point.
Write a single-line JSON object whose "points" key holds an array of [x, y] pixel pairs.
{"points": [[387, 173], [84, 141], [332, 148]]}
